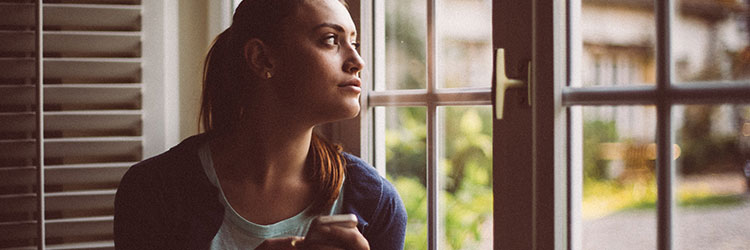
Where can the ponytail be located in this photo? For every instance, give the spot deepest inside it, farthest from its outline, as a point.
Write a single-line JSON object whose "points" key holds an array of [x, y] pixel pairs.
{"points": [[221, 94], [327, 171]]}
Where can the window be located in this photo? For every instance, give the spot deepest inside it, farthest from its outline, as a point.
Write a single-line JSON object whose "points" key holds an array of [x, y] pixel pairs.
{"points": [[427, 117], [657, 109]]}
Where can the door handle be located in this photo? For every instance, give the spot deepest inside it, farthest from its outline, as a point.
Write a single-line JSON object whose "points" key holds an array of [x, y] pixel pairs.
{"points": [[504, 83]]}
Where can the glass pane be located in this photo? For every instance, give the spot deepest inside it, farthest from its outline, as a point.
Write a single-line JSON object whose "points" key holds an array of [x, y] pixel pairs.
{"points": [[465, 143], [710, 41], [406, 166], [618, 202], [615, 45], [406, 44], [713, 177], [465, 43]]}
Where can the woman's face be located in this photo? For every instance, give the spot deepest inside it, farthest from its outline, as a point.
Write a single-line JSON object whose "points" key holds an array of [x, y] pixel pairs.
{"points": [[318, 78]]}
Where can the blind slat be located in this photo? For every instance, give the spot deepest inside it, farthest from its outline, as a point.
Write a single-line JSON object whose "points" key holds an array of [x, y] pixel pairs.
{"points": [[73, 16], [73, 94], [73, 147], [82, 43], [86, 226], [106, 120], [74, 69], [60, 201], [79, 16], [17, 230], [65, 174], [101, 225], [16, 68], [17, 14], [97, 245], [92, 93], [21, 203], [93, 69]]}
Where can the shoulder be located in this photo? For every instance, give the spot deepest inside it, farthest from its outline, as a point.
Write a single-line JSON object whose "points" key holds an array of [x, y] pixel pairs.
{"points": [[176, 160], [166, 175], [167, 200], [361, 171], [365, 179]]}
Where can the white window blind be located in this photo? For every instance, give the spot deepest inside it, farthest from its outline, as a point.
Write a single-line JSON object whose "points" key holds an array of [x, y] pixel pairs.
{"points": [[92, 119]]}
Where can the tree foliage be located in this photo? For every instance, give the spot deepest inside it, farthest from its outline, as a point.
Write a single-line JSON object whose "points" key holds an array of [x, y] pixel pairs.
{"points": [[465, 174]]}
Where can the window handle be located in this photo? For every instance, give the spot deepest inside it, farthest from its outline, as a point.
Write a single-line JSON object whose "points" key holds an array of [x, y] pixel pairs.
{"points": [[504, 83]]}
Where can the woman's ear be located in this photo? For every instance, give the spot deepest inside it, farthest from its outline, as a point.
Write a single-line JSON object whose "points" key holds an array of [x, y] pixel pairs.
{"points": [[258, 58]]}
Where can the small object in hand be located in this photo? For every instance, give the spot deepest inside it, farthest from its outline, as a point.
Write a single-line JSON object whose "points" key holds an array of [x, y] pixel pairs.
{"points": [[339, 220]]}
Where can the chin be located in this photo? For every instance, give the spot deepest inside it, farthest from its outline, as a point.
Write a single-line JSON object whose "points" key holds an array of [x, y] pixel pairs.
{"points": [[348, 111], [334, 113]]}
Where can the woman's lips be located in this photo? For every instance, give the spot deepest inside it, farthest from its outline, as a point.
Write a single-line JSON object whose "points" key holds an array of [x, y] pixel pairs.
{"points": [[353, 85], [353, 82]]}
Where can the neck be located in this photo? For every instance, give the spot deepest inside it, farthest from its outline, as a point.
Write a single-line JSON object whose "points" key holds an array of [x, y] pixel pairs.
{"points": [[263, 152]]}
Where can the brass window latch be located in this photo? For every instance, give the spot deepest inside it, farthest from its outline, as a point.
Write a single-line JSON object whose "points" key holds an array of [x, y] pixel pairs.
{"points": [[504, 83]]}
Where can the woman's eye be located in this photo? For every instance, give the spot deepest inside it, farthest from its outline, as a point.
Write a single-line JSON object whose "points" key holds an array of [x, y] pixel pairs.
{"points": [[355, 45], [330, 40]]}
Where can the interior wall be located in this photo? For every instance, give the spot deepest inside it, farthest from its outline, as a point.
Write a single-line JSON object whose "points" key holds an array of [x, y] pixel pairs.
{"points": [[193, 45]]}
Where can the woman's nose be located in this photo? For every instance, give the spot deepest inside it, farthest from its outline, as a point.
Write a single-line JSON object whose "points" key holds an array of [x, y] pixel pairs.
{"points": [[354, 63]]}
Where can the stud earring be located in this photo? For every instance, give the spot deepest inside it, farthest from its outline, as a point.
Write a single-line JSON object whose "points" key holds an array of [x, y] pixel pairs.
{"points": [[268, 75]]}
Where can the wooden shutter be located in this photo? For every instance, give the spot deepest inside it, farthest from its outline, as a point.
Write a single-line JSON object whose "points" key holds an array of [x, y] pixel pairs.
{"points": [[91, 116]]}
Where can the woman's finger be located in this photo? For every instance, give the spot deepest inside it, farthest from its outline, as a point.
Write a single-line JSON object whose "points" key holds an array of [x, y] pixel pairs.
{"points": [[344, 237], [286, 243]]}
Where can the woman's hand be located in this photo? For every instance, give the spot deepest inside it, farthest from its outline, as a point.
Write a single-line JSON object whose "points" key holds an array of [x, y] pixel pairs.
{"points": [[336, 237], [331, 238]]}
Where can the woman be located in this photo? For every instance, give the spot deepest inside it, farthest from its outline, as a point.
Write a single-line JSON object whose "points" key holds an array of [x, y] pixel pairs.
{"points": [[259, 175]]}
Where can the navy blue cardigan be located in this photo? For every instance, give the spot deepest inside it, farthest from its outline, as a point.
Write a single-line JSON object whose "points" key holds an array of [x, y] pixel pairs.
{"points": [[167, 202]]}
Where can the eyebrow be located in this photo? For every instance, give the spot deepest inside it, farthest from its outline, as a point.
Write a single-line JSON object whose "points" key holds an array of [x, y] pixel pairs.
{"points": [[334, 26]]}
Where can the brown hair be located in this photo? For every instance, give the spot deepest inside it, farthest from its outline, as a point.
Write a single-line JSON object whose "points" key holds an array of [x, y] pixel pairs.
{"points": [[225, 87]]}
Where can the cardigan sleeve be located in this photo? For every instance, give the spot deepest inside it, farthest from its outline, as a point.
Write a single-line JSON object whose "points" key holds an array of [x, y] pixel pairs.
{"points": [[139, 219], [389, 227], [378, 207]]}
